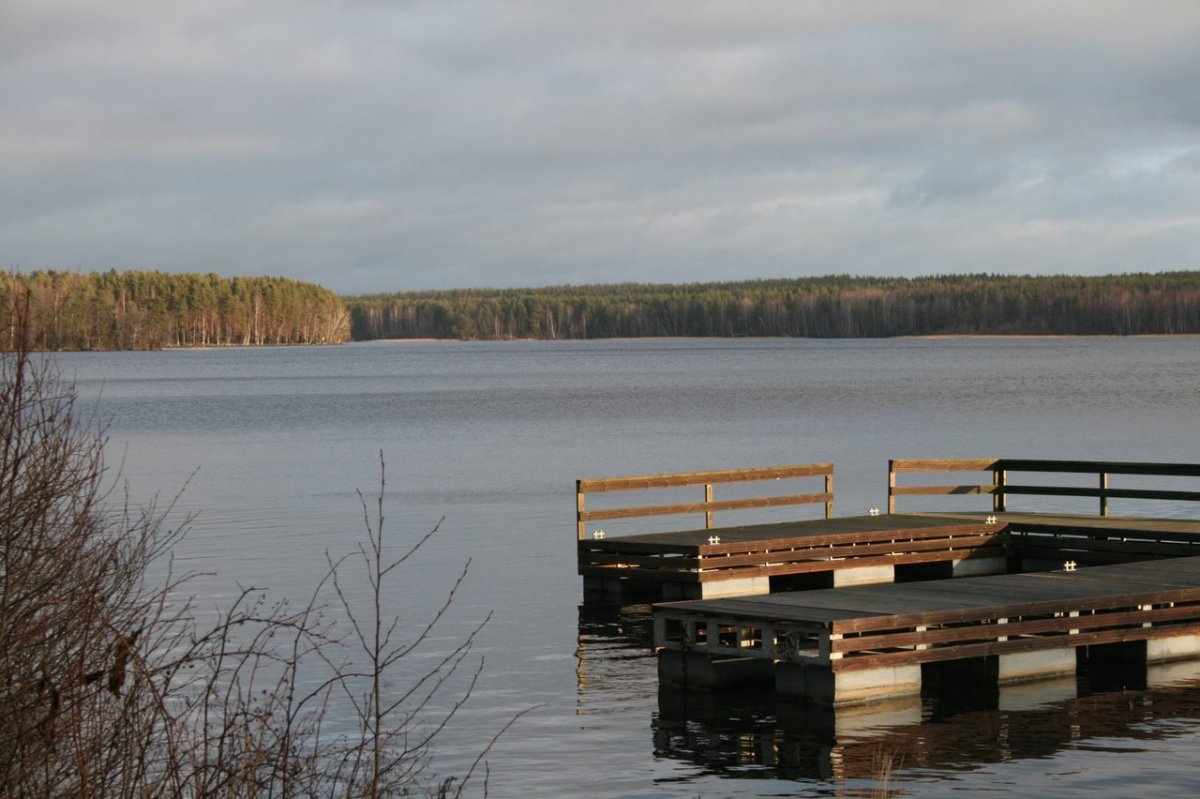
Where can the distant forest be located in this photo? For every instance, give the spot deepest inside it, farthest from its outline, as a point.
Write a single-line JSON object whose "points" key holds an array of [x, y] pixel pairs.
{"points": [[150, 310], [824, 307]]}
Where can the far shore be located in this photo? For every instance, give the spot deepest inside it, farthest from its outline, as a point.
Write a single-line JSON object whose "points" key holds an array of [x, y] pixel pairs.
{"points": [[939, 336], [921, 337]]}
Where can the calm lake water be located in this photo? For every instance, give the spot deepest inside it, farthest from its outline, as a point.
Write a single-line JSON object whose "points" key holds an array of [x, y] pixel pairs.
{"points": [[273, 444]]}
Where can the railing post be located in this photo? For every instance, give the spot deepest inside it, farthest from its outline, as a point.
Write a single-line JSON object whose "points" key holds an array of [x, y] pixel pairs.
{"points": [[891, 486], [1103, 493], [829, 491], [999, 498], [708, 498], [580, 525]]}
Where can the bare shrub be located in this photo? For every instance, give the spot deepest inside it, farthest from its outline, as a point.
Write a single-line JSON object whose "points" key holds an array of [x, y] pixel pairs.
{"points": [[110, 686]]}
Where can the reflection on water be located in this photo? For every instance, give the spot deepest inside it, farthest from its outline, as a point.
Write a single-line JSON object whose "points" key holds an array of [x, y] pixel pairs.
{"points": [[758, 735], [610, 640]]}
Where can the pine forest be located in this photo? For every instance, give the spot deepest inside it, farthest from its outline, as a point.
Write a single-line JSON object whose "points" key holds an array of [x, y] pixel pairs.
{"points": [[151, 310], [824, 307]]}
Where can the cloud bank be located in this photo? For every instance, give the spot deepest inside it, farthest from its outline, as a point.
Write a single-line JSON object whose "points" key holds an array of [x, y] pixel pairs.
{"points": [[385, 145]]}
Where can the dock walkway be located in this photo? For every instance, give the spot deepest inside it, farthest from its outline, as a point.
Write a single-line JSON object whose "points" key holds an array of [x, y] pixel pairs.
{"points": [[850, 645]]}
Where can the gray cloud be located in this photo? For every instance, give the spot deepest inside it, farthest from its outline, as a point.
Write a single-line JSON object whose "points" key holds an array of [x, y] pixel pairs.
{"points": [[374, 146]]}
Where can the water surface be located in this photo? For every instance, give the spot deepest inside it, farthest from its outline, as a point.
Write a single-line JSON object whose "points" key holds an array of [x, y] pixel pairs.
{"points": [[273, 445]]}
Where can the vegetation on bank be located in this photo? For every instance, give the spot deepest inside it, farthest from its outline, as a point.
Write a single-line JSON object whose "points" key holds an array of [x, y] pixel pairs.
{"points": [[151, 310], [822, 307], [115, 683]]}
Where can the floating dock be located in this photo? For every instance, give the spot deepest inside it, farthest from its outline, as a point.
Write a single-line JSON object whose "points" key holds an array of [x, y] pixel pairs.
{"points": [[714, 562], [758, 559], [853, 645], [875, 616], [753, 559]]}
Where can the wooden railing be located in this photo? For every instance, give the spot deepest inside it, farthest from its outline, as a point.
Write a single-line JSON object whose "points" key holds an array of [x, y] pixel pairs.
{"points": [[1000, 488], [707, 479]]}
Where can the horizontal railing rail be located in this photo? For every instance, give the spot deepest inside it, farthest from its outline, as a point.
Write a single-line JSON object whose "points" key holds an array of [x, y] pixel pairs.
{"points": [[1000, 487], [709, 505]]}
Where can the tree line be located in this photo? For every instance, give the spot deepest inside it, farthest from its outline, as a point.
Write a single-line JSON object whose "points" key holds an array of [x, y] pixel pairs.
{"points": [[135, 310], [151, 310], [822, 307]]}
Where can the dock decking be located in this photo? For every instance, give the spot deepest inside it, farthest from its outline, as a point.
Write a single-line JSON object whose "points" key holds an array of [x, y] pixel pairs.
{"points": [[849, 645], [742, 560], [737, 561]]}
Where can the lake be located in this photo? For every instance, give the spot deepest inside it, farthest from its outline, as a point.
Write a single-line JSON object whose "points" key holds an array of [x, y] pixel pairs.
{"points": [[274, 444]]}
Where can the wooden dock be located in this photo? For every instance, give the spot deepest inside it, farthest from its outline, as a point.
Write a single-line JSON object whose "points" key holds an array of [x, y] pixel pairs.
{"points": [[851, 645], [1042, 584], [717, 561], [755, 559]]}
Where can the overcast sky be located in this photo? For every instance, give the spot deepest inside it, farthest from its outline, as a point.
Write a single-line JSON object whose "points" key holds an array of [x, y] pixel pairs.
{"points": [[388, 145]]}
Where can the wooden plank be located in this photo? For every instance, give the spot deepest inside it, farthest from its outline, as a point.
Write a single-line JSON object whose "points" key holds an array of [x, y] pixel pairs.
{"points": [[988, 628], [1050, 522], [668, 569], [1107, 544], [902, 491], [1061, 626], [960, 545], [944, 464], [814, 531], [1008, 647], [813, 566], [1002, 487], [837, 533], [1014, 609], [1096, 467], [1111, 493], [701, 507], [580, 527], [1044, 465], [675, 480]]}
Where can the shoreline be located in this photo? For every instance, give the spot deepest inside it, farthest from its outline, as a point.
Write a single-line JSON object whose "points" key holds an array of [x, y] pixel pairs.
{"points": [[989, 336], [648, 339], [914, 337]]}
